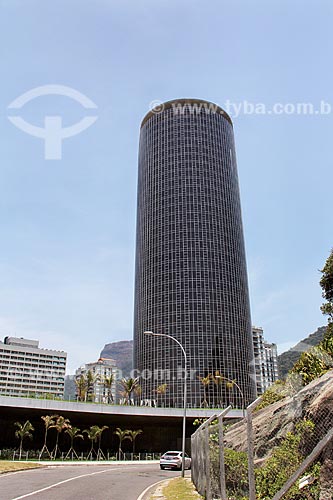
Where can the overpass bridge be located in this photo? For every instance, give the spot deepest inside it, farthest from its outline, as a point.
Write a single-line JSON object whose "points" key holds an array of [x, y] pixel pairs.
{"points": [[162, 427]]}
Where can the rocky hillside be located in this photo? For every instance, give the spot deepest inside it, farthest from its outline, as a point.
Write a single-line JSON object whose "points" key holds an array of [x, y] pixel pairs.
{"points": [[287, 359], [313, 402], [122, 353]]}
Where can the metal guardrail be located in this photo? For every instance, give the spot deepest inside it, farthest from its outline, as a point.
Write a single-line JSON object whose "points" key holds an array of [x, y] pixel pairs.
{"points": [[200, 452], [209, 450]]}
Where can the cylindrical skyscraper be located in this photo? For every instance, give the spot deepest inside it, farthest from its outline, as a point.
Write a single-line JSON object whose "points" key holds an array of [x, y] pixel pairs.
{"points": [[191, 277]]}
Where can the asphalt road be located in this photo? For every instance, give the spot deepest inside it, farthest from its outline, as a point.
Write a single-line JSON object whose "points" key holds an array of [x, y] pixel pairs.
{"points": [[82, 482]]}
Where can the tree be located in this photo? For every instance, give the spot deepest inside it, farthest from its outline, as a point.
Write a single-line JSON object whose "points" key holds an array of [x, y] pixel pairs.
{"points": [[24, 431], [61, 424], [236, 471], [74, 433], [108, 383], [129, 386], [122, 435], [218, 380], [94, 433], [81, 387], [99, 451], [160, 390], [326, 284], [283, 462], [92, 378], [132, 435], [327, 343], [49, 422], [138, 391], [313, 363], [205, 381]]}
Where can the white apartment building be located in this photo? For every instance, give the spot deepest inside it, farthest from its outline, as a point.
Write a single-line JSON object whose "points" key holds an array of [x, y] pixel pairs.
{"points": [[101, 370], [28, 370], [265, 358]]}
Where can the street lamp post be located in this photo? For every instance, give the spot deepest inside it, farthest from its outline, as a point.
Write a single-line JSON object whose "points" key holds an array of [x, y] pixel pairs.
{"points": [[185, 391], [233, 382]]}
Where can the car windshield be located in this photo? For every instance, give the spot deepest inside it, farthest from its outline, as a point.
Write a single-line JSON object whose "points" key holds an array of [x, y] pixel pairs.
{"points": [[172, 454]]}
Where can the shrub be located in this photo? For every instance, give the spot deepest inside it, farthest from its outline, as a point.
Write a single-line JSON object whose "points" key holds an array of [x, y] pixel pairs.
{"points": [[236, 472], [272, 395], [283, 462]]}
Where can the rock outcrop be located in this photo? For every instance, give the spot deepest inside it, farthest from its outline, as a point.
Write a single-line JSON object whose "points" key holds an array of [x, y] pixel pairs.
{"points": [[122, 353], [271, 424]]}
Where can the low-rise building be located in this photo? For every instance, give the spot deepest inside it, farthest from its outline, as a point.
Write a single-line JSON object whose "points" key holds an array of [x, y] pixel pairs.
{"points": [[70, 388], [101, 377], [28, 370], [265, 359]]}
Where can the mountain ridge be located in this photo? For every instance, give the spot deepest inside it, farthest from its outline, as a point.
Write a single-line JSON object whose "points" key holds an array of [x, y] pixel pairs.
{"points": [[287, 359], [122, 352]]}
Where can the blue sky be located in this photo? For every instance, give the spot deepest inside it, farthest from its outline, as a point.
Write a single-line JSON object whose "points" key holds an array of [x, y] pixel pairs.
{"points": [[68, 226]]}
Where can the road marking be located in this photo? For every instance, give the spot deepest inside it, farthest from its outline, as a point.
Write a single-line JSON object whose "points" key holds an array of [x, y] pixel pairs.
{"points": [[71, 479], [147, 489]]}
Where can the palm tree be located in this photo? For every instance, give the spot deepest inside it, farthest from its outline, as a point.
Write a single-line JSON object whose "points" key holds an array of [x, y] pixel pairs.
{"points": [[132, 435], [122, 435], [92, 378], [129, 386], [61, 424], [205, 382], [74, 433], [160, 390], [99, 451], [138, 391], [81, 387], [108, 383], [218, 380], [49, 422], [23, 431], [93, 433]]}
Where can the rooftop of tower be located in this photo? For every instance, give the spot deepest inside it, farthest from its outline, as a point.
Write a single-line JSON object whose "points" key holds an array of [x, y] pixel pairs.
{"points": [[175, 103]]}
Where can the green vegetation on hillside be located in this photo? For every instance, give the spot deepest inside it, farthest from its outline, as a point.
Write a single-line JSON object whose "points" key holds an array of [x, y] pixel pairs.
{"points": [[287, 359], [285, 458], [272, 475], [315, 361], [318, 360], [283, 462]]}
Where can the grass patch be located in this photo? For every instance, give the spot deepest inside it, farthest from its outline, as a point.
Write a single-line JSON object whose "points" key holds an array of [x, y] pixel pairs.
{"points": [[180, 489], [8, 466]]}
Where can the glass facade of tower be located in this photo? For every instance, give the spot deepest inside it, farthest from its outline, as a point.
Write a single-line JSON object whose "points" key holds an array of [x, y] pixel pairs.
{"points": [[191, 277]]}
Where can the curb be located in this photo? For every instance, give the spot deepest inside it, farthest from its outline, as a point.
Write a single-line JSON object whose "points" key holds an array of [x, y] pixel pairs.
{"points": [[56, 463], [150, 490], [17, 471]]}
